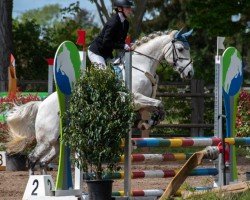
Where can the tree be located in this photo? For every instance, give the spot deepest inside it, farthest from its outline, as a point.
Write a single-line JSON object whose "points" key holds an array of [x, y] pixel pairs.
{"points": [[31, 51], [35, 42], [45, 16], [6, 7], [209, 20], [139, 11]]}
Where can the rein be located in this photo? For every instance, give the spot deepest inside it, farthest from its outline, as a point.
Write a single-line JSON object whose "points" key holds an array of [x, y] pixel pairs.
{"points": [[175, 58], [150, 57]]}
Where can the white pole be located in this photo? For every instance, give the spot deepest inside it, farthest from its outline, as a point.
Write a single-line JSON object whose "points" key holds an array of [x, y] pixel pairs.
{"points": [[78, 172], [128, 145], [50, 75], [218, 109], [218, 115]]}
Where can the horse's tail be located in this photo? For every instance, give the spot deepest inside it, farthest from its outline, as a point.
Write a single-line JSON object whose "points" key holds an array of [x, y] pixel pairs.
{"points": [[21, 125]]}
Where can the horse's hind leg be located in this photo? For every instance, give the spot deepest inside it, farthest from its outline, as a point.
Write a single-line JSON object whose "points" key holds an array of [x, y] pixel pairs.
{"points": [[48, 157], [36, 154]]}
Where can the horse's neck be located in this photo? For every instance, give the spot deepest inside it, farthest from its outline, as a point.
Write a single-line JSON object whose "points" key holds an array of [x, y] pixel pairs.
{"points": [[154, 49]]}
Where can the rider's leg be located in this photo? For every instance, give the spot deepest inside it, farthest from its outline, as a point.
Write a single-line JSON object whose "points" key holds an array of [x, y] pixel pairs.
{"points": [[96, 59]]}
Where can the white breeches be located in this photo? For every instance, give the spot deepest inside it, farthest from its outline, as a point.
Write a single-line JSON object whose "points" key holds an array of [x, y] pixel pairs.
{"points": [[96, 59]]}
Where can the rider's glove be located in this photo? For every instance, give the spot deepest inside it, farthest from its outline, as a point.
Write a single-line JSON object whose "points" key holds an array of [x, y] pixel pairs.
{"points": [[127, 47]]}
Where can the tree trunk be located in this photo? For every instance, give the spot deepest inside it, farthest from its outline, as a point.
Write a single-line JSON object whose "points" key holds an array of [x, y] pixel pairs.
{"points": [[138, 16], [136, 21], [6, 7]]}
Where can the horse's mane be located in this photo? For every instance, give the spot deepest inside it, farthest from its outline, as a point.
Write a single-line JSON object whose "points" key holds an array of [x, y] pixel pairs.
{"points": [[149, 37]]}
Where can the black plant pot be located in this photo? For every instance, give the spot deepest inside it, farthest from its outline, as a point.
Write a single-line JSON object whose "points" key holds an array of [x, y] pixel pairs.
{"points": [[16, 162], [100, 189], [248, 176]]}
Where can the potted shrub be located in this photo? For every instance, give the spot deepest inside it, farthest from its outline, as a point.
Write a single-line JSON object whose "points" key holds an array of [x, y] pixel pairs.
{"points": [[99, 117]]}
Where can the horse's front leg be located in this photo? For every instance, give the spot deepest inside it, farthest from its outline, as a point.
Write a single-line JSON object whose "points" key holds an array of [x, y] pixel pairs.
{"points": [[151, 110], [48, 157], [35, 155]]}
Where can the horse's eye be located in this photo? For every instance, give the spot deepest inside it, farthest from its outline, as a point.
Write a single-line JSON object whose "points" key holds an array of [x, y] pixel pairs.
{"points": [[180, 69], [180, 49]]}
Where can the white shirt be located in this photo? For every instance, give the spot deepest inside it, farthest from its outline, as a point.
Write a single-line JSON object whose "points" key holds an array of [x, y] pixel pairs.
{"points": [[122, 18]]}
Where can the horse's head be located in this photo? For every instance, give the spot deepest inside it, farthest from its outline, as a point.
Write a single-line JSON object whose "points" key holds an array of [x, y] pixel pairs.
{"points": [[178, 54]]}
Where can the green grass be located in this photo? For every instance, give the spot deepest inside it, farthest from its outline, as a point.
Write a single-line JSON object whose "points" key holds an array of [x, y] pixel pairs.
{"points": [[220, 196]]}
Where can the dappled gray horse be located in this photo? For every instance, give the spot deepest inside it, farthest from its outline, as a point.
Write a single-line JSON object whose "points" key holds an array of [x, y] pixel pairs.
{"points": [[39, 121]]}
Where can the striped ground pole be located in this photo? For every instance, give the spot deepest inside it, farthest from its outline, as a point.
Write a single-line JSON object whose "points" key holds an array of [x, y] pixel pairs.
{"points": [[158, 157], [187, 142], [161, 173], [140, 193], [153, 192]]}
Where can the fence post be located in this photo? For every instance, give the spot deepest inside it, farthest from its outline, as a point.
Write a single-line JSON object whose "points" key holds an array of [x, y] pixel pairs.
{"points": [[197, 105], [128, 144]]}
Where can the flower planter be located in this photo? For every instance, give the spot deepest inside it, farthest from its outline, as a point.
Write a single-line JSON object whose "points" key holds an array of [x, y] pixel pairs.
{"points": [[100, 189], [248, 176], [16, 162]]}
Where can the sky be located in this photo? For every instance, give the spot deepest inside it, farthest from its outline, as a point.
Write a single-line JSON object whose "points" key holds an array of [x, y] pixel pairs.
{"points": [[21, 6]]}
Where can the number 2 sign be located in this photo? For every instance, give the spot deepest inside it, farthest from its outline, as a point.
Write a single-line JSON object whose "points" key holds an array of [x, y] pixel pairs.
{"points": [[39, 185]]}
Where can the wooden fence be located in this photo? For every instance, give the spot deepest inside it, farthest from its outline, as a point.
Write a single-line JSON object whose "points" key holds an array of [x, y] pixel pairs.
{"points": [[197, 95]]}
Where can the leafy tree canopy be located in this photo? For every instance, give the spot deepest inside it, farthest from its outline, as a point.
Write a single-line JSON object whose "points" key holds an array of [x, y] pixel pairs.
{"points": [[34, 43], [45, 16]]}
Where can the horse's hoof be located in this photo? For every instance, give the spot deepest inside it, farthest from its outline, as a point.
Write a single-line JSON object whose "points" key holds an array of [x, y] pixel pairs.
{"points": [[31, 165], [42, 164], [43, 168], [31, 172]]}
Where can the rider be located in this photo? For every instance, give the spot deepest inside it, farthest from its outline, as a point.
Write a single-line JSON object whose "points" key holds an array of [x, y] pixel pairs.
{"points": [[113, 34]]}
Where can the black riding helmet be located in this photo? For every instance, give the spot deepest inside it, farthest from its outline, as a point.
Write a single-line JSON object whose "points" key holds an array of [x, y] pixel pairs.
{"points": [[123, 3]]}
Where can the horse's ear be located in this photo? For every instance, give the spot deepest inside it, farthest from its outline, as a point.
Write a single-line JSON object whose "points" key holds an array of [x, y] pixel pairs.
{"points": [[179, 33], [187, 34]]}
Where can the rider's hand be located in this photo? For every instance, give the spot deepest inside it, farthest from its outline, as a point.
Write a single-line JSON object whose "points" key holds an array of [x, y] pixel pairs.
{"points": [[127, 47]]}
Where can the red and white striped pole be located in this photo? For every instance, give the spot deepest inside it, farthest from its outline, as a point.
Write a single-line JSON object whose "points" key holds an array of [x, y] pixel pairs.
{"points": [[81, 40], [50, 62]]}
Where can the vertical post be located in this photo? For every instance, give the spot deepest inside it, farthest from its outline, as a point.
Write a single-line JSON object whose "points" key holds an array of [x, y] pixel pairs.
{"points": [[218, 117], [12, 86], [78, 177], [50, 62], [81, 40], [197, 86], [84, 55], [128, 145]]}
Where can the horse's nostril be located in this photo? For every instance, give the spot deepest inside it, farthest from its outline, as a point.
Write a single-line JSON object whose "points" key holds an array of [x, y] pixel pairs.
{"points": [[190, 74]]}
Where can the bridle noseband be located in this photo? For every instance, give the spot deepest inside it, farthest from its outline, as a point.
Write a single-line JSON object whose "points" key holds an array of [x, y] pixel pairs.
{"points": [[176, 57]]}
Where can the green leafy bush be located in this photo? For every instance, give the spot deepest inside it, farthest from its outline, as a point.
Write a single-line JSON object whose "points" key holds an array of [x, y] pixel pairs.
{"points": [[243, 117], [99, 116]]}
